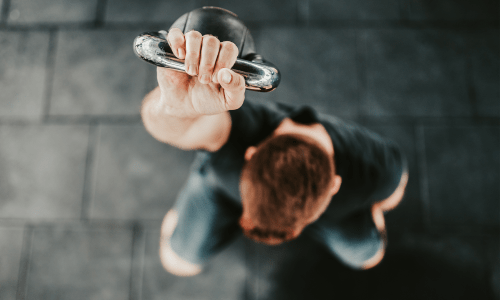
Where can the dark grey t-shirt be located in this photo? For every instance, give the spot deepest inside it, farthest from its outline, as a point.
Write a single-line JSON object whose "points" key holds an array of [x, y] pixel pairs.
{"points": [[370, 166]]}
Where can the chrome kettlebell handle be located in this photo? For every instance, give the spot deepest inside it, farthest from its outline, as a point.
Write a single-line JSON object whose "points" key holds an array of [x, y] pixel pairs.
{"points": [[259, 75]]}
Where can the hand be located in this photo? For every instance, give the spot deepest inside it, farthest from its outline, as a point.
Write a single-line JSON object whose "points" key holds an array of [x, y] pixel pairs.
{"points": [[210, 86]]}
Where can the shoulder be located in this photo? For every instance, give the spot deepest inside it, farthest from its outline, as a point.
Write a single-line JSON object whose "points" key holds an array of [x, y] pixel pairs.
{"points": [[368, 162], [254, 121]]}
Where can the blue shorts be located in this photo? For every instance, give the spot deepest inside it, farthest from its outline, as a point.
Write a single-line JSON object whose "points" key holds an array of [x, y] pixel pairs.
{"points": [[208, 221]]}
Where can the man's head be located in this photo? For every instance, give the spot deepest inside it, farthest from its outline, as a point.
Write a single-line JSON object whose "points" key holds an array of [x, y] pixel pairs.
{"points": [[287, 182]]}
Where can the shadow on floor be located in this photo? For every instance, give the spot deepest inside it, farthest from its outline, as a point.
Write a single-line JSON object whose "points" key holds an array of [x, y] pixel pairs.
{"points": [[403, 274]]}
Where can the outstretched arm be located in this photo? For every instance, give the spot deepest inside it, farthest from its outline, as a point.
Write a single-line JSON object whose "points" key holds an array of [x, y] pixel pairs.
{"points": [[209, 132], [190, 111]]}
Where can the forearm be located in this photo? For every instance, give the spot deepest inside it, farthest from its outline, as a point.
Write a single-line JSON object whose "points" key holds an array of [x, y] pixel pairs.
{"points": [[165, 128], [188, 133]]}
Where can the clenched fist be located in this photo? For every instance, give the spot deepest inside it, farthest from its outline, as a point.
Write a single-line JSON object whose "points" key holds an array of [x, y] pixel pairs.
{"points": [[210, 86]]}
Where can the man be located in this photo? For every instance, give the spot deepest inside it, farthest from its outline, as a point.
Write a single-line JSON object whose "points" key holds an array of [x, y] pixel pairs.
{"points": [[272, 171]]}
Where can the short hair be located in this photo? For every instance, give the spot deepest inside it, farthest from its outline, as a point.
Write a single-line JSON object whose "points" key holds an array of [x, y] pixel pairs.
{"points": [[283, 183]]}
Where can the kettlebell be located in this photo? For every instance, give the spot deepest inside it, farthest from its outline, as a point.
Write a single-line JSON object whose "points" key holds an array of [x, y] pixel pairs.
{"points": [[259, 74]]}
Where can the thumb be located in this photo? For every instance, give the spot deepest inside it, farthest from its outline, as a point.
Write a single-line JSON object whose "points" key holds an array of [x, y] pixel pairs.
{"points": [[233, 86]]}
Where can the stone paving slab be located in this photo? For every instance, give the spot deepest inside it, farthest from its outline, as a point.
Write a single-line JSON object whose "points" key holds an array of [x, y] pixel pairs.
{"points": [[452, 10], [272, 269], [492, 258], [52, 11], [222, 279], [135, 176], [324, 10], [467, 252], [80, 262], [11, 240], [494, 255], [97, 73], [1, 15], [42, 170], [408, 214], [318, 68], [23, 74], [463, 171], [415, 73], [424, 269], [484, 47], [259, 10], [129, 11]]}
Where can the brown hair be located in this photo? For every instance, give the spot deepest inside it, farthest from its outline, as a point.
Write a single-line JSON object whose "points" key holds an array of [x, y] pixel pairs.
{"points": [[282, 184]]}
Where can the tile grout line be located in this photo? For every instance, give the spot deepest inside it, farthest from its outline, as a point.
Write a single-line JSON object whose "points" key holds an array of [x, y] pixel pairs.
{"points": [[404, 10], [4, 14], [49, 73], [256, 263], [360, 52], [126, 119], [248, 284], [131, 289], [135, 119], [26, 252], [471, 89], [137, 262], [490, 231], [100, 13], [328, 24], [422, 170], [488, 261], [142, 254], [89, 171], [302, 13]]}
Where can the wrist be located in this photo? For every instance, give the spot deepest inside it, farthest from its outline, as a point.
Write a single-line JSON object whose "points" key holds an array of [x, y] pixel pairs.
{"points": [[163, 105]]}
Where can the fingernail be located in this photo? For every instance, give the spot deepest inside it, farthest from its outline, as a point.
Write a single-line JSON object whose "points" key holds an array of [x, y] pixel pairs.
{"points": [[226, 76], [181, 53]]}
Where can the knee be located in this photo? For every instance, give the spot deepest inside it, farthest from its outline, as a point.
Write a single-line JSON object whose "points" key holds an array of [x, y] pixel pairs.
{"points": [[396, 197], [175, 265], [169, 223], [362, 261], [375, 259], [170, 261]]}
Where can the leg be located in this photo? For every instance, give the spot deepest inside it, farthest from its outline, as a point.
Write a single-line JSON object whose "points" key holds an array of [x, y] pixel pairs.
{"points": [[378, 210], [169, 259], [359, 240], [393, 200], [355, 241], [202, 222]]}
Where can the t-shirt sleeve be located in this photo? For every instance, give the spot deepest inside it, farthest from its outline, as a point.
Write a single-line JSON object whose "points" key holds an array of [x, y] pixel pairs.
{"points": [[253, 122], [386, 168], [371, 166]]}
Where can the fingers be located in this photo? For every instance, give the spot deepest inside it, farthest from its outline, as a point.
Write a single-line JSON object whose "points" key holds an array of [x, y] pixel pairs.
{"points": [[234, 88], [209, 53], [193, 47], [204, 56], [227, 57], [175, 39]]}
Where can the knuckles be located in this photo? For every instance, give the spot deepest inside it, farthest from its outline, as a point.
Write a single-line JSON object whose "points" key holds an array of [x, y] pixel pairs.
{"points": [[206, 67], [177, 38]]}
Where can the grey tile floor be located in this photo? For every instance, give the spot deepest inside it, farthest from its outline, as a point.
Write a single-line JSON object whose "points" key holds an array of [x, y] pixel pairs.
{"points": [[83, 187]]}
